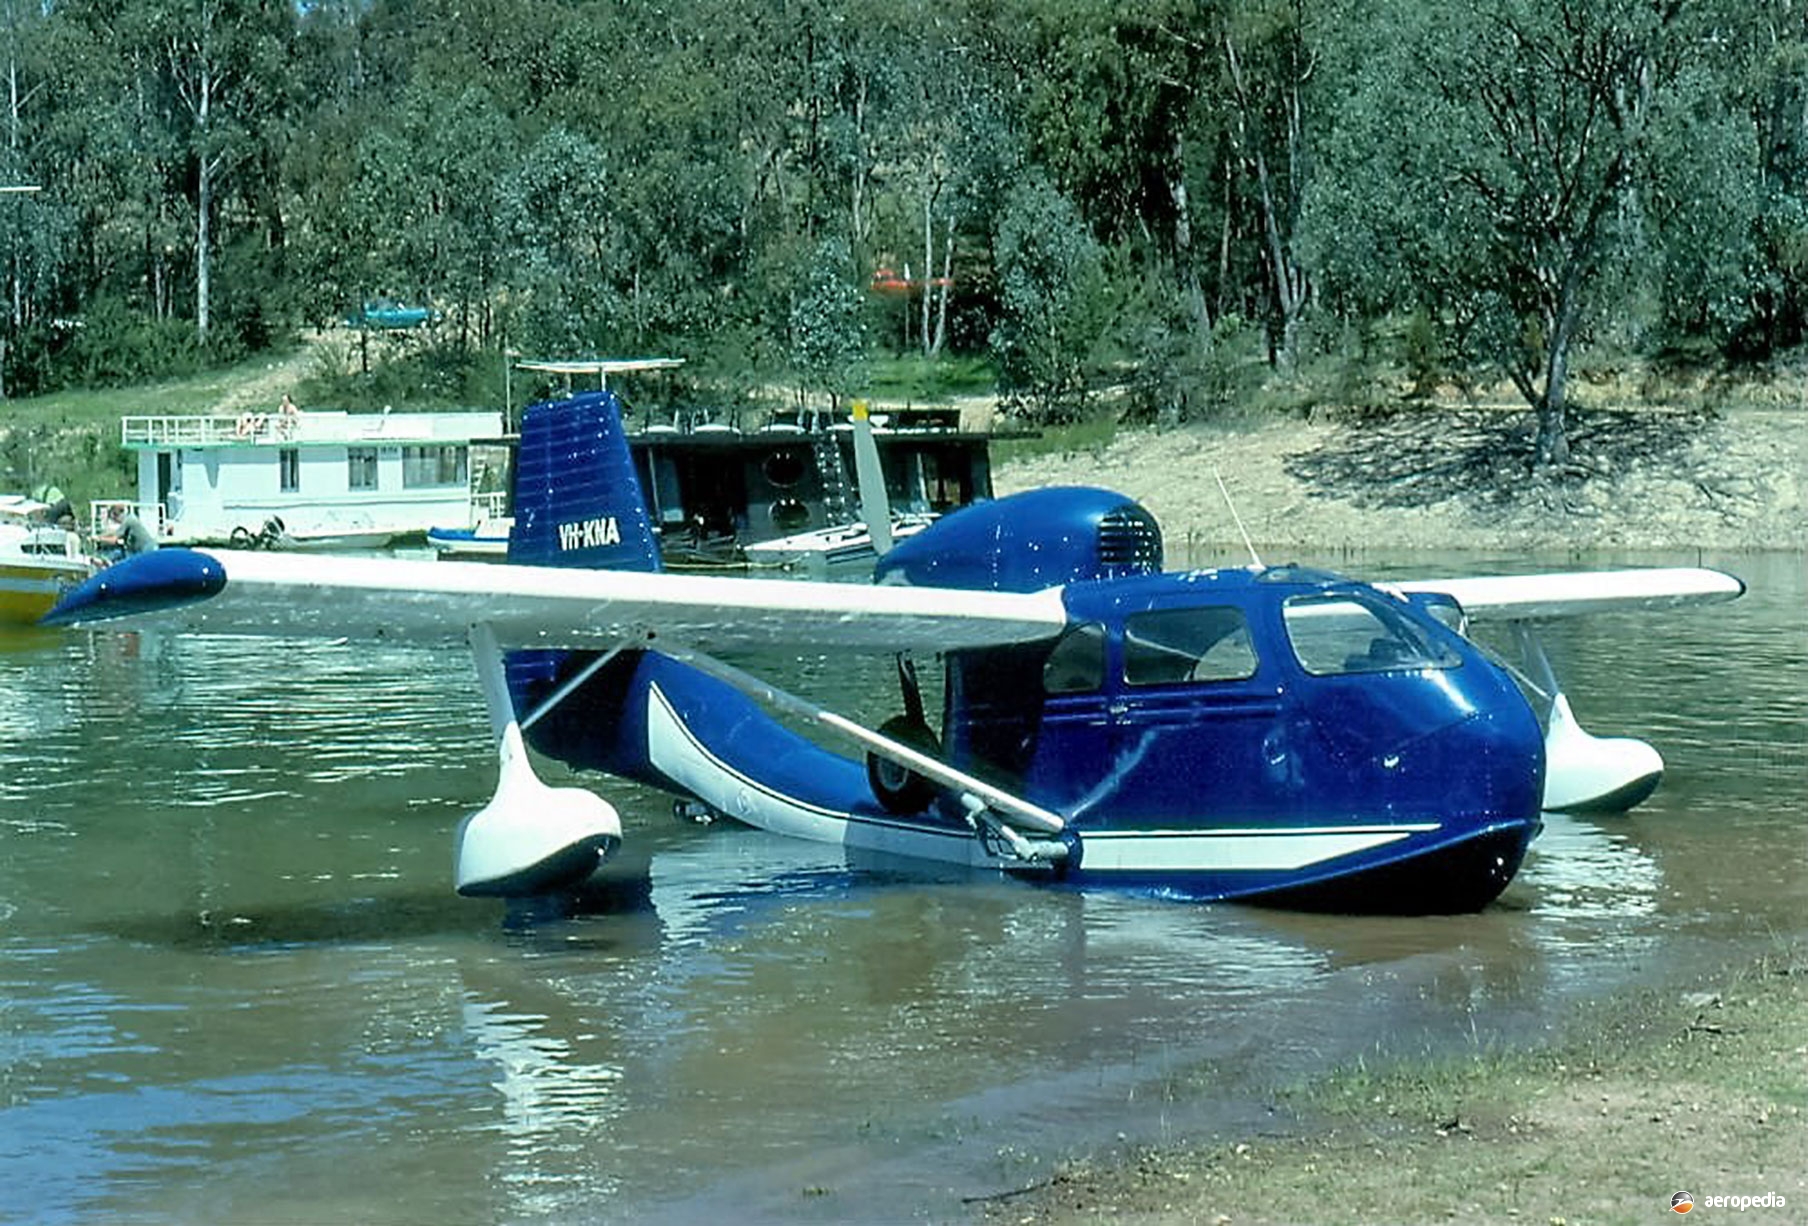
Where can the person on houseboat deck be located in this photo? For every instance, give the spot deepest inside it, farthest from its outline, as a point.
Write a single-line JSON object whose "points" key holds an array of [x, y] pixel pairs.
{"points": [[291, 416]]}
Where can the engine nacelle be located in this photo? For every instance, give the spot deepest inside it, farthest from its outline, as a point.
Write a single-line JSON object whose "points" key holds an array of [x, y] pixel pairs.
{"points": [[1029, 541]]}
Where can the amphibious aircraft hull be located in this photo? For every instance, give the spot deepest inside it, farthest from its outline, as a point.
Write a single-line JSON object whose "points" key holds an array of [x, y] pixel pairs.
{"points": [[671, 727]]}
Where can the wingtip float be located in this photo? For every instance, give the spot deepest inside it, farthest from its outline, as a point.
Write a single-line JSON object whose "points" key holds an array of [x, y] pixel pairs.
{"points": [[142, 584]]}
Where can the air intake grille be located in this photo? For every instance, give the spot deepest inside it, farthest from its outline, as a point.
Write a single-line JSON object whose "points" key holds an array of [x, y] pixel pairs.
{"points": [[1129, 542]]}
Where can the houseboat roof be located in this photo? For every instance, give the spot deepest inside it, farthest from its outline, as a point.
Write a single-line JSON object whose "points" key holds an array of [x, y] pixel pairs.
{"points": [[321, 427], [602, 368]]}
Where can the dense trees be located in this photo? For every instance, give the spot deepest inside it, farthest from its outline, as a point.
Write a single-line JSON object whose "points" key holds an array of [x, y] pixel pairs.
{"points": [[1152, 195]]}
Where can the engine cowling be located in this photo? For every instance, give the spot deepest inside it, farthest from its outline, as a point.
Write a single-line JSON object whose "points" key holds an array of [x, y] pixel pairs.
{"points": [[1029, 541]]}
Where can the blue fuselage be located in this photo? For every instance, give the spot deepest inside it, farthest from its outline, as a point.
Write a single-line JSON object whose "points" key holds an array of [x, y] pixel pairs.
{"points": [[1283, 734], [1281, 697]]}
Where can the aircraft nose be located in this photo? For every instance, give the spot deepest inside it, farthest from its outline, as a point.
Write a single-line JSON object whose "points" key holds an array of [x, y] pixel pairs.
{"points": [[1490, 765]]}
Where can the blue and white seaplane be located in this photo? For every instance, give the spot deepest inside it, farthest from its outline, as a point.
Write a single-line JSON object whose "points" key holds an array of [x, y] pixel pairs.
{"points": [[1268, 733]]}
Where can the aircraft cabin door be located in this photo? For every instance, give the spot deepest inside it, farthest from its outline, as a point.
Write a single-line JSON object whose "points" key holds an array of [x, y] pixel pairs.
{"points": [[1192, 713], [1073, 727]]}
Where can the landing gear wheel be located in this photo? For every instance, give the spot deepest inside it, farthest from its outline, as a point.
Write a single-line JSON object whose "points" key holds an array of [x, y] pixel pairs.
{"points": [[899, 789]]}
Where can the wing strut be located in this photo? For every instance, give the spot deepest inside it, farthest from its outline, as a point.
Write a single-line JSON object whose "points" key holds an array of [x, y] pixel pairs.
{"points": [[1583, 773], [530, 838]]}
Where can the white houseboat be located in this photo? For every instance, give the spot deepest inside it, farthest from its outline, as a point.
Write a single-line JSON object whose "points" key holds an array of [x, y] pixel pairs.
{"points": [[319, 479]]}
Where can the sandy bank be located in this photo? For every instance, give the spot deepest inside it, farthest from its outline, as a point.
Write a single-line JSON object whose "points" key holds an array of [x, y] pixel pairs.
{"points": [[1458, 479]]}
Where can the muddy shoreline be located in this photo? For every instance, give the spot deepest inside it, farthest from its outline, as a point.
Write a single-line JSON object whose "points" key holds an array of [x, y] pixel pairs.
{"points": [[1699, 1088]]}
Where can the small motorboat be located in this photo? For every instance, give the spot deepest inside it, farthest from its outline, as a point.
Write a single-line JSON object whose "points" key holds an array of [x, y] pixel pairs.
{"points": [[826, 548], [39, 560]]}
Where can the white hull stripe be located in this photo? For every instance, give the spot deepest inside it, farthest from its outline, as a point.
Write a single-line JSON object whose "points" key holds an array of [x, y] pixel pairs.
{"points": [[676, 751], [1231, 851]]}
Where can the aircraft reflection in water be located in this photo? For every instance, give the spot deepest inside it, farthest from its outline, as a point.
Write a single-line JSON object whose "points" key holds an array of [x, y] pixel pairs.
{"points": [[1096, 998], [1271, 733], [735, 989]]}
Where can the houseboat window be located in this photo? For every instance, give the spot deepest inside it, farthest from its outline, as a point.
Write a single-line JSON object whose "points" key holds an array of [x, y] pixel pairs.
{"points": [[1333, 635], [289, 461], [783, 469], [790, 515], [423, 467], [1077, 664], [1198, 644], [363, 468]]}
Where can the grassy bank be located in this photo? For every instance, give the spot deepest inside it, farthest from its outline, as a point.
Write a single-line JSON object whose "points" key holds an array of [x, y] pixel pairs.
{"points": [[71, 438], [1702, 1089]]}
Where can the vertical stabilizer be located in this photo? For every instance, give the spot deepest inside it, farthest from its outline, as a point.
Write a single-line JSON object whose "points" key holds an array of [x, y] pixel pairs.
{"points": [[577, 499]]}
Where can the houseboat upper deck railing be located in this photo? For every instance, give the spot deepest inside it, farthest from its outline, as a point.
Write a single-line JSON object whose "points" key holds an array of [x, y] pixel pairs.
{"points": [[312, 426]]}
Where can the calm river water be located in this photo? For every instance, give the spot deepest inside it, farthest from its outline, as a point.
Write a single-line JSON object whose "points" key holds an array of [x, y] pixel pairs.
{"points": [[235, 985]]}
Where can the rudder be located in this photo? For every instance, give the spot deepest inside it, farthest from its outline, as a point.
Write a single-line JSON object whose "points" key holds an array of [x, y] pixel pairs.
{"points": [[578, 500]]}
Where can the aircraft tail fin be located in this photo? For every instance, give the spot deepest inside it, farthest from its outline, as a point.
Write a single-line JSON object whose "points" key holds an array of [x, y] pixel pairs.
{"points": [[578, 500]]}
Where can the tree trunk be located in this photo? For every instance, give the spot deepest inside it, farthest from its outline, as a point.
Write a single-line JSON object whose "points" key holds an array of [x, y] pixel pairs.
{"points": [[203, 266], [206, 166], [1552, 447], [860, 223], [946, 288], [1289, 277], [928, 264], [1183, 247]]}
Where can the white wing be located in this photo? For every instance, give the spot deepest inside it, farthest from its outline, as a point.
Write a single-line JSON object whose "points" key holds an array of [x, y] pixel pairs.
{"points": [[233, 592], [1566, 594]]}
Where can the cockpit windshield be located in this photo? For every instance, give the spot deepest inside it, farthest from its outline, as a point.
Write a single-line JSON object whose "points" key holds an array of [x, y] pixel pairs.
{"points": [[1332, 635]]}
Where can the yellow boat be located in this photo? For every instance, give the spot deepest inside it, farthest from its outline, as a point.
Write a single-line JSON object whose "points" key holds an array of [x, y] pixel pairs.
{"points": [[39, 560]]}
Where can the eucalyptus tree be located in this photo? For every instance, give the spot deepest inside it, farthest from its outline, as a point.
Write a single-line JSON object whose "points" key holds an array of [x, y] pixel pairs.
{"points": [[219, 63], [1499, 163], [113, 158], [34, 239], [826, 334], [460, 145], [1268, 64], [1771, 87], [898, 109], [565, 244], [1054, 299], [1180, 128], [696, 131]]}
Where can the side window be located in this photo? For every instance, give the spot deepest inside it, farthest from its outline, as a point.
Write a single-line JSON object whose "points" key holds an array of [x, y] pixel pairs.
{"points": [[361, 471], [1173, 645], [1333, 635], [1077, 664]]}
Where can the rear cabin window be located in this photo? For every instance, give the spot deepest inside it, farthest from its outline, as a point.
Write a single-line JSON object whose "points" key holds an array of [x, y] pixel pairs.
{"points": [[1077, 664], [1199, 644], [1335, 635]]}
